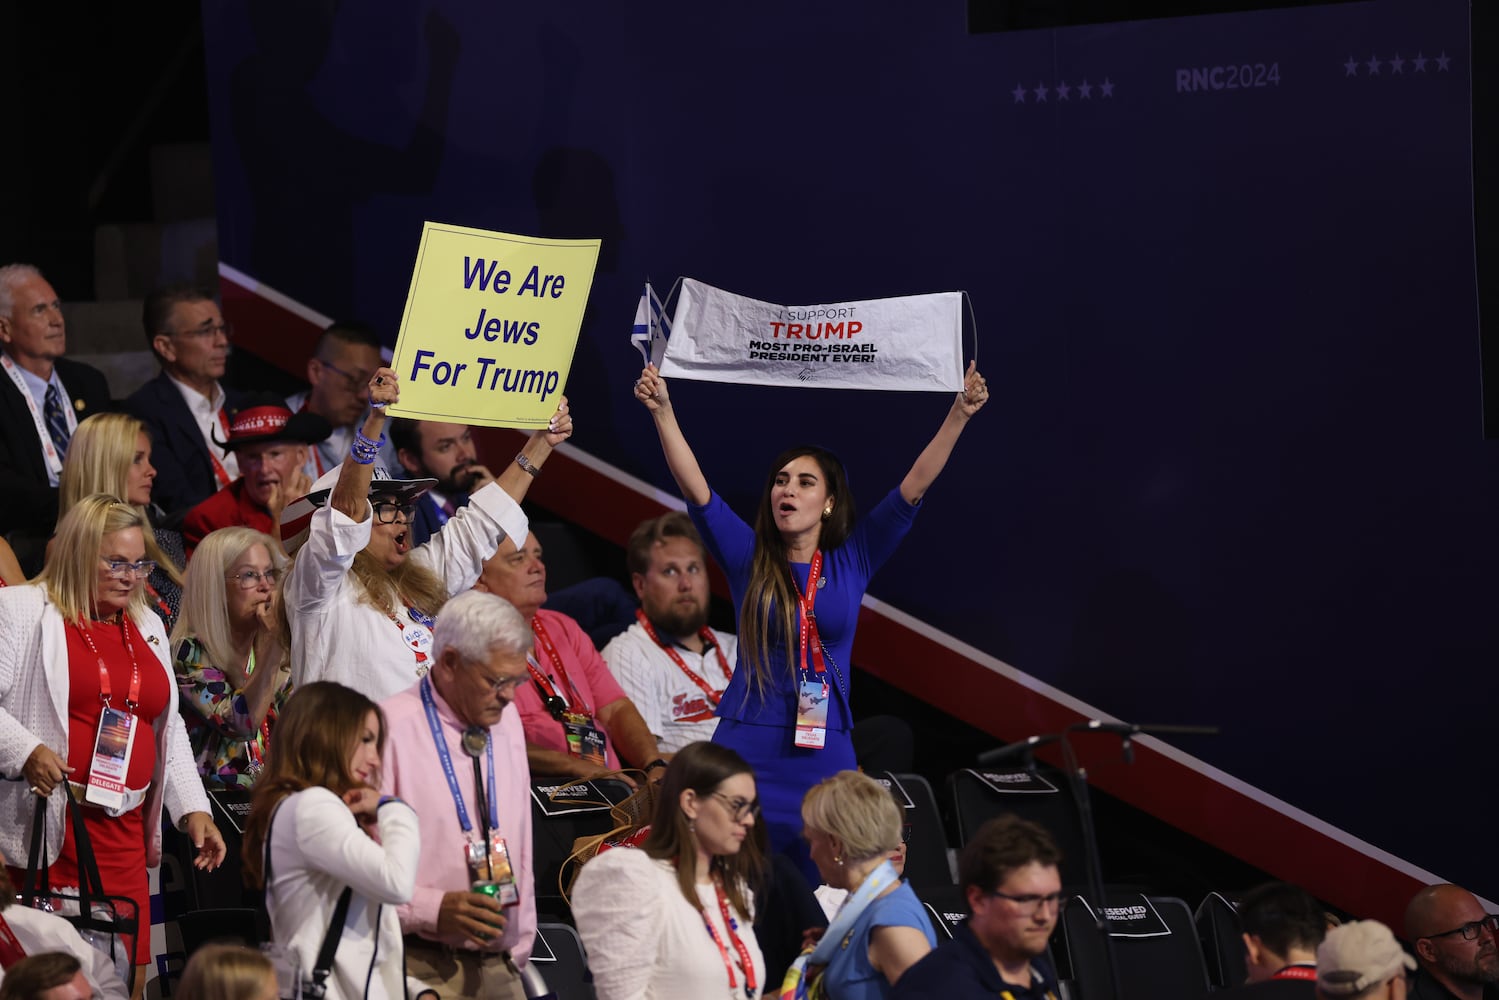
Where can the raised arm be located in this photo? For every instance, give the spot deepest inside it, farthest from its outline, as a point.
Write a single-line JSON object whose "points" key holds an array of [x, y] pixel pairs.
{"points": [[516, 478], [650, 389], [934, 456], [351, 495]]}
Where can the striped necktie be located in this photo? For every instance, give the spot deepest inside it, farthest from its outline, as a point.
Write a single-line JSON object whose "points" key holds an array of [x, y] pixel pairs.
{"points": [[57, 420]]}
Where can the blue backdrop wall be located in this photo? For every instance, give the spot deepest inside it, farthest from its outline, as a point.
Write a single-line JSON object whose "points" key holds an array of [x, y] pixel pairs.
{"points": [[1223, 273]]}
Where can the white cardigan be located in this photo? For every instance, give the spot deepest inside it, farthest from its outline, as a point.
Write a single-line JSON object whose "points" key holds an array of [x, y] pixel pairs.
{"points": [[646, 942], [317, 849], [34, 711], [338, 636]]}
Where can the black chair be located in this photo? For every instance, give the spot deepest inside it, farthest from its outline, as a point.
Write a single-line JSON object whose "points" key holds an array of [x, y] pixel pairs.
{"points": [[230, 925], [556, 825], [1155, 946], [947, 906], [1220, 934], [1039, 794], [558, 956], [926, 844]]}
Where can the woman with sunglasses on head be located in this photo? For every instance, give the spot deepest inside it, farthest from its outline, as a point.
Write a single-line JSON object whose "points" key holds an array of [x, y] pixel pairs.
{"points": [[670, 920], [361, 599], [232, 669], [318, 829], [852, 826], [797, 578], [111, 453], [87, 697]]}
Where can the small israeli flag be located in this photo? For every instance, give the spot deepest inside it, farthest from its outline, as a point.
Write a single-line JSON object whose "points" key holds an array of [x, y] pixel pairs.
{"points": [[651, 327]]}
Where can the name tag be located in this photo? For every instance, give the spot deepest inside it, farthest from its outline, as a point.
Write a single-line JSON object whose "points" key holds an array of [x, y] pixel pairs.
{"points": [[106, 773]]}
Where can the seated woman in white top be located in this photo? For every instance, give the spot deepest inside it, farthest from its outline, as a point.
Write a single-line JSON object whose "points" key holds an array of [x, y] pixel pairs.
{"points": [[318, 826], [670, 920], [360, 599]]}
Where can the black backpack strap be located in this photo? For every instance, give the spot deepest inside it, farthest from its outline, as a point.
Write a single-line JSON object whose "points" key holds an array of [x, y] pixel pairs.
{"points": [[329, 950], [36, 882]]}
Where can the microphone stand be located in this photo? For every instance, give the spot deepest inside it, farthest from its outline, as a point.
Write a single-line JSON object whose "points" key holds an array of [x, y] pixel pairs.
{"points": [[1077, 781]]}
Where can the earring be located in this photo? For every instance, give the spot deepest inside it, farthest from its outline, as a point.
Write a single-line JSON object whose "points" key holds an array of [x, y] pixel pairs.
{"points": [[691, 825], [838, 860], [827, 511]]}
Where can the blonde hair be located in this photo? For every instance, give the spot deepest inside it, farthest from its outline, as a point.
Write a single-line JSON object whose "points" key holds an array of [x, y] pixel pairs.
{"points": [[384, 589], [205, 591], [856, 809], [71, 575], [225, 972], [100, 454]]}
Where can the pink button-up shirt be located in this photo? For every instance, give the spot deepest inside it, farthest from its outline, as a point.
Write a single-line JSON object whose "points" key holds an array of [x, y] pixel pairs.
{"points": [[413, 771]]}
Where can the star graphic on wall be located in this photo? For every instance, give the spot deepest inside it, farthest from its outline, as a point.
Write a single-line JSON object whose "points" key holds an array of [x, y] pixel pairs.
{"points": [[1420, 62], [1063, 90], [1085, 89], [1397, 65], [1040, 92], [1019, 94], [1351, 66], [1442, 61], [1373, 65], [1107, 87]]}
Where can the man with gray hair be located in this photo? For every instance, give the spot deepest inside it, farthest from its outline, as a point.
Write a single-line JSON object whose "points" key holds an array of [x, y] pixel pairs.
{"points": [[455, 751], [1362, 959], [43, 396]]}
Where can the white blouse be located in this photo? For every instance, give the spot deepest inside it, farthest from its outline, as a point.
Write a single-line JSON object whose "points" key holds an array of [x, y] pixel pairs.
{"points": [[646, 942]]}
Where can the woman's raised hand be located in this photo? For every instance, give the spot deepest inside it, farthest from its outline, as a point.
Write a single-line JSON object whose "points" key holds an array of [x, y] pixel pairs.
{"points": [[385, 388], [975, 392], [650, 389], [560, 427]]}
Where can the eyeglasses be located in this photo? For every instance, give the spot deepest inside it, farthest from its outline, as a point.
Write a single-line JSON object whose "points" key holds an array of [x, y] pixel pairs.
{"points": [[250, 579], [119, 569], [739, 808], [1030, 903], [209, 332], [1472, 929], [354, 382], [499, 684], [387, 512]]}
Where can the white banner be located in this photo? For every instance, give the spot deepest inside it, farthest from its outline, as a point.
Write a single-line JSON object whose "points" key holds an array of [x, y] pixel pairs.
{"points": [[908, 343]]}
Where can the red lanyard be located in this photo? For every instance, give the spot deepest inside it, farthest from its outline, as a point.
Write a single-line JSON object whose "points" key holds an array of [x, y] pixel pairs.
{"points": [[733, 927], [705, 634], [808, 620], [1308, 972], [11, 951], [256, 747], [551, 651], [105, 691], [166, 609]]}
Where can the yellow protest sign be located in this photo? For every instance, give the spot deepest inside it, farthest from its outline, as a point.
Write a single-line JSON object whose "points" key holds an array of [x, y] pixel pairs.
{"points": [[490, 326]]}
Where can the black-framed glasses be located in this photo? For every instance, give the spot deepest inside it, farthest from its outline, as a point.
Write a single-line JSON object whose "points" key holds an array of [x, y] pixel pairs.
{"points": [[389, 512], [250, 579], [1472, 929], [1030, 902], [122, 570], [739, 808], [353, 381]]}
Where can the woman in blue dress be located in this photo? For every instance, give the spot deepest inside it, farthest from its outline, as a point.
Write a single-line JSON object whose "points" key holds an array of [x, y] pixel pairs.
{"points": [[797, 578]]}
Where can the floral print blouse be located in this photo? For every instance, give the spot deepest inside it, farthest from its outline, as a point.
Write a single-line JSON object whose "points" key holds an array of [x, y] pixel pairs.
{"points": [[229, 748]]}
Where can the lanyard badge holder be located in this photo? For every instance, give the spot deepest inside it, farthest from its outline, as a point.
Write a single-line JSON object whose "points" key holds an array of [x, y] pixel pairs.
{"points": [[486, 854], [585, 740], [813, 689], [115, 737]]}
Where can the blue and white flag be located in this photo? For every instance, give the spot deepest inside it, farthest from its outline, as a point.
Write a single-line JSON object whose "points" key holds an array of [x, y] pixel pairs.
{"points": [[651, 327]]}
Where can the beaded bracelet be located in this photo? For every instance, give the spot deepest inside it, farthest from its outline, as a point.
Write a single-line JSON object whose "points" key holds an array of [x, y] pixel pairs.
{"points": [[363, 450]]}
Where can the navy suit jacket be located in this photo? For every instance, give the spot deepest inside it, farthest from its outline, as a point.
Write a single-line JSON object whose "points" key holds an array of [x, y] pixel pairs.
{"points": [[184, 467], [429, 518], [31, 502]]}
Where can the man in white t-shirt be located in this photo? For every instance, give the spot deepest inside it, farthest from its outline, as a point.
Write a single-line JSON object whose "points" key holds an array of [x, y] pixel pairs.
{"points": [[672, 666]]}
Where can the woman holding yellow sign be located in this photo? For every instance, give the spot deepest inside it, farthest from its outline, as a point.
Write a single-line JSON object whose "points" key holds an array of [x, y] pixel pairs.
{"points": [[797, 579], [362, 599]]}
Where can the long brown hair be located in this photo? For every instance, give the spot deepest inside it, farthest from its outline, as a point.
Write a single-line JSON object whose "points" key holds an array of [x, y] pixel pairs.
{"points": [[315, 737], [769, 613], [702, 767], [410, 582]]}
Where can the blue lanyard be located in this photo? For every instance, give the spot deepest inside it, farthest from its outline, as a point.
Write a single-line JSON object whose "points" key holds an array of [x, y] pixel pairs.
{"points": [[447, 763]]}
